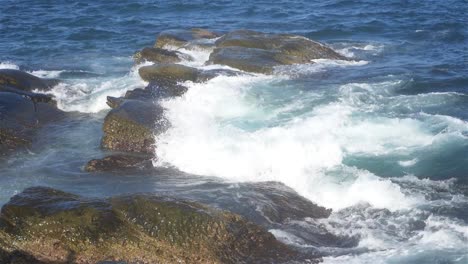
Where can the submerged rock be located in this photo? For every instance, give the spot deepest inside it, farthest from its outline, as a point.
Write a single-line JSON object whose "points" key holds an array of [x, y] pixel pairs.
{"points": [[281, 203], [25, 81], [180, 37], [131, 126], [52, 226], [260, 52], [120, 162], [20, 118], [158, 55]]}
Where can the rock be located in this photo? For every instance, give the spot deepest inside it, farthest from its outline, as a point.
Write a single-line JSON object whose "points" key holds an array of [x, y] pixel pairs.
{"points": [[179, 38], [20, 118], [57, 227], [131, 126], [252, 59], [287, 44], [119, 163], [114, 102], [175, 72], [282, 203], [159, 55], [25, 81], [259, 52], [169, 74]]}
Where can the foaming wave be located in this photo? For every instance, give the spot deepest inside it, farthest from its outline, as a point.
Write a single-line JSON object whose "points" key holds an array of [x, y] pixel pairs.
{"points": [[8, 65], [305, 152], [351, 51], [46, 74], [90, 95]]}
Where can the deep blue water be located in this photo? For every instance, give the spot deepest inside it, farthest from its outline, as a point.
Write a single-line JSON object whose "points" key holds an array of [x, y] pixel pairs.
{"points": [[384, 141]]}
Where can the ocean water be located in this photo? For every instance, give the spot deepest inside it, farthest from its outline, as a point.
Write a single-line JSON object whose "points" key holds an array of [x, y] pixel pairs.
{"points": [[382, 140]]}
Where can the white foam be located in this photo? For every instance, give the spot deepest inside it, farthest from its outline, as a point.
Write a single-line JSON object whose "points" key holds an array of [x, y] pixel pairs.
{"points": [[90, 96], [46, 74], [374, 49], [303, 152], [8, 65], [408, 163]]}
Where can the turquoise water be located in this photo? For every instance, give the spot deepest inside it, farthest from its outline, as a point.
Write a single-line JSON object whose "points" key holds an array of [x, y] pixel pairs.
{"points": [[382, 140]]}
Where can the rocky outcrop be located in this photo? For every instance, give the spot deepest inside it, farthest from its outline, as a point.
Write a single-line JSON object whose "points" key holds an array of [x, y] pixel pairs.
{"points": [[258, 52], [181, 37], [175, 72], [52, 226], [158, 55], [25, 81], [131, 126], [135, 118], [281, 203], [120, 163]]}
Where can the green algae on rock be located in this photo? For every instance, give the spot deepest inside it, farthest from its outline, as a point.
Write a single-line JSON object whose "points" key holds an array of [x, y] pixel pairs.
{"points": [[131, 126], [52, 226], [258, 52]]}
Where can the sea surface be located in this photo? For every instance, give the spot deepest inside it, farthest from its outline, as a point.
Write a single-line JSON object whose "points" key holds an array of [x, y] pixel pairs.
{"points": [[382, 140]]}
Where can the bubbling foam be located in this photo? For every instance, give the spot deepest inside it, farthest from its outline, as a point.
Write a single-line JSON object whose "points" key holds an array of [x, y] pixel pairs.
{"points": [[225, 128]]}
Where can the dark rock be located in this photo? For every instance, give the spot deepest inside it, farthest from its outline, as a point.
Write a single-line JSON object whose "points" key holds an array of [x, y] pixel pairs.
{"points": [[169, 74], [292, 45], [131, 126], [159, 55], [259, 52], [53, 226], [179, 38], [163, 88], [119, 163], [252, 59], [175, 72], [114, 102], [20, 118], [25, 81], [281, 203]]}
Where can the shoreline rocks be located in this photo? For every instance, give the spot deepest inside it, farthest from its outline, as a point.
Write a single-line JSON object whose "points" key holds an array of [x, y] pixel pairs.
{"points": [[135, 118], [23, 111], [58, 227]]}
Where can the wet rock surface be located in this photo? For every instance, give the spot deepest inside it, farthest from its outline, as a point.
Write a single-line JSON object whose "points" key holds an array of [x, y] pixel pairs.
{"points": [[120, 163], [52, 226], [174, 72], [131, 126], [258, 52], [158, 55], [20, 118], [25, 81]]}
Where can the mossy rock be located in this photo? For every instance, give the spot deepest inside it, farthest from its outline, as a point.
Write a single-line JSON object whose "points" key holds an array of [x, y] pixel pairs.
{"points": [[175, 72], [132, 125], [57, 227], [287, 44], [25, 81], [181, 37], [120, 162], [158, 55], [252, 59], [258, 52]]}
